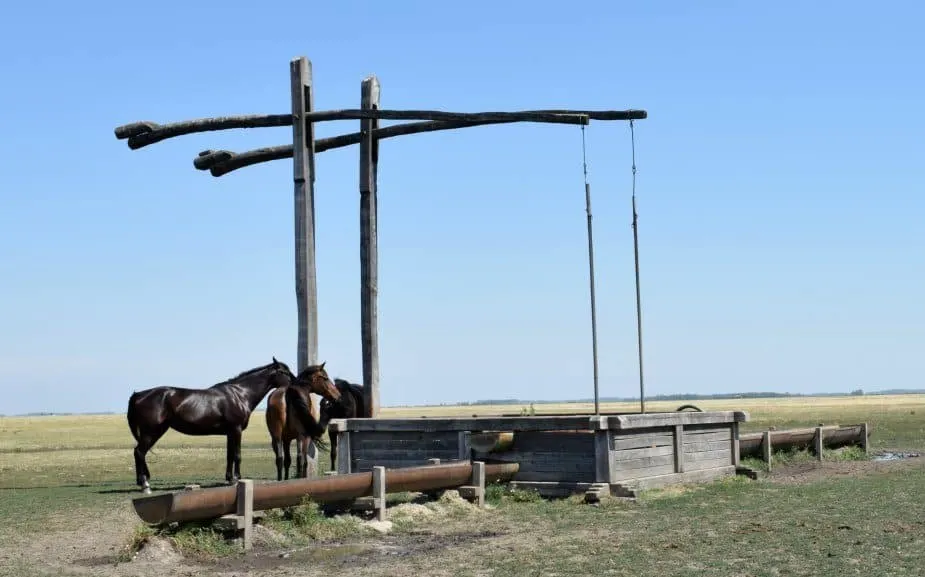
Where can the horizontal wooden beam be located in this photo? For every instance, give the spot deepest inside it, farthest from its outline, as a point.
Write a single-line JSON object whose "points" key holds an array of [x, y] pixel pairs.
{"points": [[221, 162], [540, 423], [141, 134]]}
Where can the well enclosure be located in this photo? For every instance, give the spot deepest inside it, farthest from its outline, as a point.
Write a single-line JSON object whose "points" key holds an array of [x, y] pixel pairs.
{"points": [[560, 454]]}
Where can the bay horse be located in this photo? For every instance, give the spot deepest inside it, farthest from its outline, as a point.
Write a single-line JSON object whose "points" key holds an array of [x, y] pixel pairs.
{"points": [[293, 416], [222, 409], [350, 406]]}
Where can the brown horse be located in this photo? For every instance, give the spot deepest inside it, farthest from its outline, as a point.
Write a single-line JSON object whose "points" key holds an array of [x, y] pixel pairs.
{"points": [[222, 409], [292, 416]]}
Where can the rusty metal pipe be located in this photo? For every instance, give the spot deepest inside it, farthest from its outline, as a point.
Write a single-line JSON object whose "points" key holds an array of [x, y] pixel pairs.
{"points": [[211, 503]]}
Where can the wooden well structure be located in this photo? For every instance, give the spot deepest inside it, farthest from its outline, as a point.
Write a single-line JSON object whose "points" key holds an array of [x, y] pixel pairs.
{"points": [[558, 454]]}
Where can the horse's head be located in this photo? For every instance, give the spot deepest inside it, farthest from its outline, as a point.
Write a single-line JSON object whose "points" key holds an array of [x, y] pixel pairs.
{"points": [[316, 379], [281, 375]]}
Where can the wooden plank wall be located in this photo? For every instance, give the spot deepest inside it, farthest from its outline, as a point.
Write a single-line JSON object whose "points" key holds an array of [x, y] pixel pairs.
{"points": [[551, 456], [643, 454], [397, 449], [707, 447], [667, 450]]}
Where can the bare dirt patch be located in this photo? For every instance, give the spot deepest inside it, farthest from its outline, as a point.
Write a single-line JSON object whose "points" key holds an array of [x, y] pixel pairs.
{"points": [[810, 471]]}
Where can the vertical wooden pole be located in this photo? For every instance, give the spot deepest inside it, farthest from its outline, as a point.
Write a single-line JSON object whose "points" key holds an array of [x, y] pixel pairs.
{"points": [[818, 447], [369, 251], [244, 507], [736, 450], [379, 492], [766, 448], [478, 481], [303, 177], [865, 438], [679, 448]]}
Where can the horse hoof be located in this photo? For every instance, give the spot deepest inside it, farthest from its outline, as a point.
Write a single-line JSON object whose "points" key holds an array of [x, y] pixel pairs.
{"points": [[146, 490]]}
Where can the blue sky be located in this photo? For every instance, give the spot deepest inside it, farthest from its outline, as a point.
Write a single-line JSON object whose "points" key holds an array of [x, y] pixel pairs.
{"points": [[780, 182]]}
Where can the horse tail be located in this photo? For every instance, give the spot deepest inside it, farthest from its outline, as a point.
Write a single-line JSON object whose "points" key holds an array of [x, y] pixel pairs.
{"points": [[300, 407], [130, 416]]}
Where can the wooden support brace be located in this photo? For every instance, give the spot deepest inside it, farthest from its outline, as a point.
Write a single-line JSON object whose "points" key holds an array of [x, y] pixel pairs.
{"points": [[243, 520], [379, 492], [766, 448], [817, 444], [736, 455], [475, 490], [679, 448]]}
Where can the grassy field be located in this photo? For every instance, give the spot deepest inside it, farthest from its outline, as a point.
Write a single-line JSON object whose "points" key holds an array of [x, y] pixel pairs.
{"points": [[64, 478]]}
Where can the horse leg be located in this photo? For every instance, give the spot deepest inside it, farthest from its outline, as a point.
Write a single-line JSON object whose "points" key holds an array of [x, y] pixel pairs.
{"points": [[233, 457], [333, 439], [277, 452], [287, 462], [145, 442], [299, 457], [306, 445]]}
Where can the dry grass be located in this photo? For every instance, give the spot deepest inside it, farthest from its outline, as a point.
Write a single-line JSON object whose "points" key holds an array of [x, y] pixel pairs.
{"points": [[68, 482]]}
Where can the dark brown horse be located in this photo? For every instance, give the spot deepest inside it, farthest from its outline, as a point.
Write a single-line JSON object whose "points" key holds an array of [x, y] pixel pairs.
{"points": [[293, 416], [350, 406], [222, 409]]}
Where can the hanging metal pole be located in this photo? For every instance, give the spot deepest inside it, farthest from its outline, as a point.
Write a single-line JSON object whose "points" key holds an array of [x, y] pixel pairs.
{"points": [[584, 161], [642, 388]]}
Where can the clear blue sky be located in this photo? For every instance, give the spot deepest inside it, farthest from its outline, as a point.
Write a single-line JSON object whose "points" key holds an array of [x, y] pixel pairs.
{"points": [[780, 187]]}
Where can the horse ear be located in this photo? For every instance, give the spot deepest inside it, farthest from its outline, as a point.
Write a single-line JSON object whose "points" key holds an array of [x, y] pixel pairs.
{"points": [[322, 364], [275, 362]]}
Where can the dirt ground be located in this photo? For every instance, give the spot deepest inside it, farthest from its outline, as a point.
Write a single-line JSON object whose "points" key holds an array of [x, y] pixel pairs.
{"points": [[438, 544]]}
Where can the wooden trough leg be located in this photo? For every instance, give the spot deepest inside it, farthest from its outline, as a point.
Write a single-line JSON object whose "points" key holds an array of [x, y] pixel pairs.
{"points": [[475, 490], [245, 510], [766, 448], [817, 444], [376, 502], [379, 492]]}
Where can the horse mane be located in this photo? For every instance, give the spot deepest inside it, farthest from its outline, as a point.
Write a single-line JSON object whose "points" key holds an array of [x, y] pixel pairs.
{"points": [[244, 374]]}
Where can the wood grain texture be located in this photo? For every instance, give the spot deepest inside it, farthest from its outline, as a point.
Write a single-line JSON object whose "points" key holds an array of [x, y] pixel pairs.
{"points": [[639, 421], [304, 199], [369, 247], [701, 476]]}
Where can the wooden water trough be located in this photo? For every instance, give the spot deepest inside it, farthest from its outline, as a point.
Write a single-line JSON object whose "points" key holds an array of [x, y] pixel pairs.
{"points": [[557, 455], [762, 445]]}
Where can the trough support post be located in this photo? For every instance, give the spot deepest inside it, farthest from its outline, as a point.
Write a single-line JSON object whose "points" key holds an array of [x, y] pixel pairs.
{"points": [[679, 448], [865, 437], [344, 458], [369, 251], [475, 490], [766, 448], [379, 492], [303, 178], [817, 444], [736, 457], [478, 481], [244, 502]]}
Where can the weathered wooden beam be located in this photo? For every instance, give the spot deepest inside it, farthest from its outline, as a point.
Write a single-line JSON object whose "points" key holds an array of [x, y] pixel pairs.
{"points": [[221, 162], [369, 249], [141, 134], [303, 176], [144, 133]]}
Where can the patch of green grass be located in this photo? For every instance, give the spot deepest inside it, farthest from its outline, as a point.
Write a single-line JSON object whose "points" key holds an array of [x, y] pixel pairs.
{"points": [[865, 525]]}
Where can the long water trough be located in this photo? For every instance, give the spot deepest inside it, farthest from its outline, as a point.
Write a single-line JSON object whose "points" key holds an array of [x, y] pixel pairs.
{"points": [[557, 455]]}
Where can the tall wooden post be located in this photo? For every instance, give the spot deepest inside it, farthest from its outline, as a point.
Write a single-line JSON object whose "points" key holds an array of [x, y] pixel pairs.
{"points": [[303, 177], [369, 251]]}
